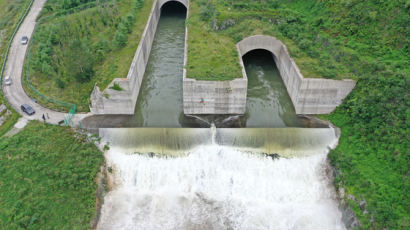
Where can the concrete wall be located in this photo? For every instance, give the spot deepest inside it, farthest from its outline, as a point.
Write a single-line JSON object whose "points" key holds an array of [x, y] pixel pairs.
{"points": [[123, 102], [214, 97], [309, 95]]}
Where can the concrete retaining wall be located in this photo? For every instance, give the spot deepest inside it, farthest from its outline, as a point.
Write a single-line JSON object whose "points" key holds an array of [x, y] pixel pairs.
{"points": [[123, 102], [309, 95], [214, 97]]}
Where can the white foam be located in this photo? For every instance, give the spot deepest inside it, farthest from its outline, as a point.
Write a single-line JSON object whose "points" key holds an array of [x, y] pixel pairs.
{"points": [[219, 188]]}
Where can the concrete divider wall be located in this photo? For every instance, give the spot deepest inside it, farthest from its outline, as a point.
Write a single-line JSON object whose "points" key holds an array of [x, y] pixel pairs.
{"points": [[112, 101], [309, 95], [214, 97]]}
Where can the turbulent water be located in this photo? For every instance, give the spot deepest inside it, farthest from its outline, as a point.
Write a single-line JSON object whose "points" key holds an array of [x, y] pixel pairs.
{"points": [[268, 102], [218, 178], [219, 188]]}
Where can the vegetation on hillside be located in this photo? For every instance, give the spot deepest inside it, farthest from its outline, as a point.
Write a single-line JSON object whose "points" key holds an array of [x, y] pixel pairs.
{"points": [[8, 117], [326, 38], [364, 40], [10, 14], [48, 179], [78, 44]]}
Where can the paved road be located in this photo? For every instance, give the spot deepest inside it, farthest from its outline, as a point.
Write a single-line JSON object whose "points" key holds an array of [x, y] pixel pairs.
{"points": [[15, 93]]}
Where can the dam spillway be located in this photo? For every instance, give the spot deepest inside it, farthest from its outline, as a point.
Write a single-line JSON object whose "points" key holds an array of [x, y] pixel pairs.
{"points": [[286, 142], [219, 186], [274, 175]]}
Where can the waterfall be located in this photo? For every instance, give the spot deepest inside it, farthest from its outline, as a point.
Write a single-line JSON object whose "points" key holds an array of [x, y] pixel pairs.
{"points": [[218, 186], [287, 142]]}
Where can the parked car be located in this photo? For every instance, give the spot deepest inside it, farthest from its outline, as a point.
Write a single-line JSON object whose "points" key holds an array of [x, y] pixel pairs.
{"points": [[24, 40], [7, 80], [27, 109]]}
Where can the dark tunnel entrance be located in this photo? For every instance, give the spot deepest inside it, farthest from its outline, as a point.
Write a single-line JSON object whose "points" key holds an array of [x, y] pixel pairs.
{"points": [[268, 102], [173, 8], [159, 102]]}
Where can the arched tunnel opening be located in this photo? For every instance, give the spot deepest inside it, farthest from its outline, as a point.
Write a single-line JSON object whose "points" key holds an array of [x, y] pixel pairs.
{"points": [[173, 8], [159, 102], [268, 102]]}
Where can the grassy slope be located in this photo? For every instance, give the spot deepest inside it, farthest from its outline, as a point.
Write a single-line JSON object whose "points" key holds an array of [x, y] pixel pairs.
{"points": [[10, 14], [47, 179], [373, 156], [94, 28], [324, 38]]}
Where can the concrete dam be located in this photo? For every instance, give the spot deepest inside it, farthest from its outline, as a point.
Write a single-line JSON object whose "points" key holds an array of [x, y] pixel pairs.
{"points": [[308, 95], [253, 163]]}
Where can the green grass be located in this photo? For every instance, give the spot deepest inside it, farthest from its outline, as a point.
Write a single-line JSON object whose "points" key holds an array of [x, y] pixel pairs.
{"points": [[323, 45], [10, 14], [73, 52], [210, 56], [11, 118], [48, 179]]}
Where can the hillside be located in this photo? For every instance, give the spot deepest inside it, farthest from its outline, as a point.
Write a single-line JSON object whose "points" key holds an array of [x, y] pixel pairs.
{"points": [[80, 44], [48, 179], [327, 39], [10, 14]]}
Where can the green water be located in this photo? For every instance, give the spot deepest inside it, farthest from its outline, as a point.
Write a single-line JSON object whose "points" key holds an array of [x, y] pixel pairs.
{"points": [[268, 102], [160, 99]]}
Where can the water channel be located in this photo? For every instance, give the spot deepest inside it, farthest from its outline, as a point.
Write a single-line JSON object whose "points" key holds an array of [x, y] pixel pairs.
{"points": [[160, 99], [162, 176], [268, 103]]}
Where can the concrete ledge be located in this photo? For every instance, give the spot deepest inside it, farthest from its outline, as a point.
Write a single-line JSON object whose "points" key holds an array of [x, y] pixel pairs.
{"points": [[213, 97], [309, 95], [123, 102]]}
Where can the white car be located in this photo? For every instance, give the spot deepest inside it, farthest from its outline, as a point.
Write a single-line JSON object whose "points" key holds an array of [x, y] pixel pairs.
{"points": [[7, 80], [24, 40]]}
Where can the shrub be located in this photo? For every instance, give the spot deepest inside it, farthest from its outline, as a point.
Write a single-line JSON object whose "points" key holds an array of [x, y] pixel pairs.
{"points": [[117, 87]]}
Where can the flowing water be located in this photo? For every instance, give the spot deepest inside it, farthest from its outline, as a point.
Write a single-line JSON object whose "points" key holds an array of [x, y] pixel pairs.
{"points": [[287, 142], [160, 99], [268, 102], [221, 187], [209, 178]]}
